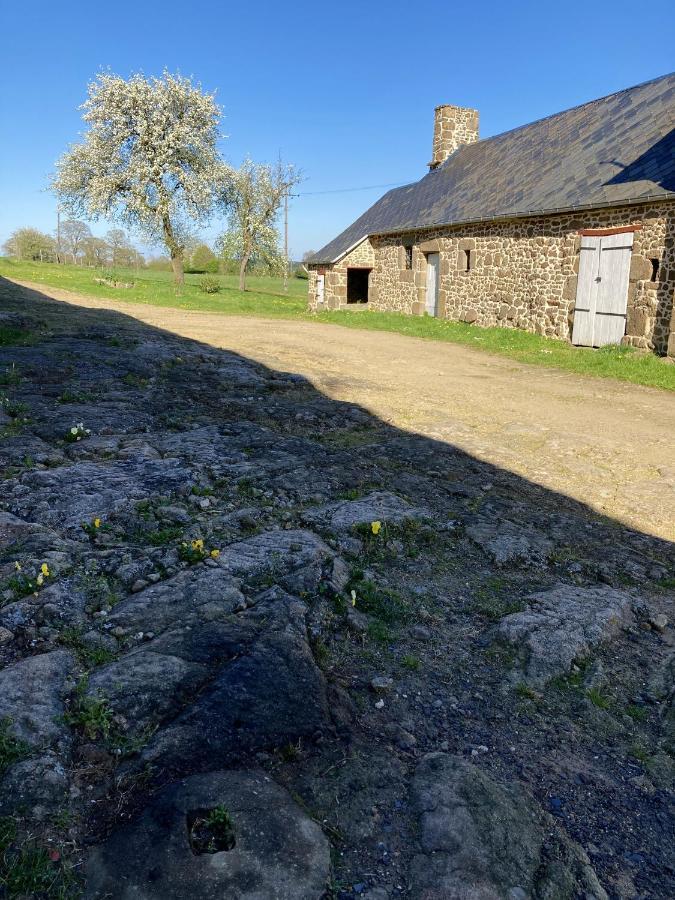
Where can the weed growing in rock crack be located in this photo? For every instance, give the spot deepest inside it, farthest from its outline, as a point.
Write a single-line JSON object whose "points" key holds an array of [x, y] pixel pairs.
{"points": [[98, 588], [29, 870], [136, 381], [246, 487], [21, 584], [12, 335], [201, 490], [639, 752], [12, 748], [525, 691], [637, 713], [10, 377], [76, 433], [69, 396], [88, 656], [598, 698], [195, 551], [90, 715], [384, 604], [488, 602], [411, 662], [13, 408], [378, 632], [211, 831], [321, 653], [666, 584]]}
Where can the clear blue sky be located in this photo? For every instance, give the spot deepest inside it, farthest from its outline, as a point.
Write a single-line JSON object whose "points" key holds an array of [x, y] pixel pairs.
{"points": [[346, 91]]}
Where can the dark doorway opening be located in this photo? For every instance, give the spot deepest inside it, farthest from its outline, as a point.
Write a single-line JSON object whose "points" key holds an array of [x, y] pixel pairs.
{"points": [[357, 285]]}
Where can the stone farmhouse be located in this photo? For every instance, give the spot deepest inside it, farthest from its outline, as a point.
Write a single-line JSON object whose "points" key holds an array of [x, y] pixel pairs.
{"points": [[564, 227]]}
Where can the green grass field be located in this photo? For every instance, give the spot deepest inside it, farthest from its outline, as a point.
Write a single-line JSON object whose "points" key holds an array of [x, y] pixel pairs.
{"points": [[265, 297]]}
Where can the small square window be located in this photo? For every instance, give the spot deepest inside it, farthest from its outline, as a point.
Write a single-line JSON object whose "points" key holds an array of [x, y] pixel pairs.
{"points": [[655, 269], [408, 256]]}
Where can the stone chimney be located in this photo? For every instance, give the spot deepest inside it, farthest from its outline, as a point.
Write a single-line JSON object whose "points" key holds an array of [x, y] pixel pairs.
{"points": [[454, 126]]}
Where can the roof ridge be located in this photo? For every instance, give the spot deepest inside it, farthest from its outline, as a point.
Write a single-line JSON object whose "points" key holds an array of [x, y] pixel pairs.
{"points": [[563, 112]]}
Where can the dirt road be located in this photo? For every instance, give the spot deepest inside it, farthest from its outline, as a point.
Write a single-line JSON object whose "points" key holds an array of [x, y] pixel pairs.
{"points": [[608, 444]]}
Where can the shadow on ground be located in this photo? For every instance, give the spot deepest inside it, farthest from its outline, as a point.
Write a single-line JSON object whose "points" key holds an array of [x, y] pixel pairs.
{"points": [[280, 647]]}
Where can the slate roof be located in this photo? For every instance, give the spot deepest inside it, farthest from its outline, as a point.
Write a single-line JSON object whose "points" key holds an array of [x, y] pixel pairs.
{"points": [[616, 150]]}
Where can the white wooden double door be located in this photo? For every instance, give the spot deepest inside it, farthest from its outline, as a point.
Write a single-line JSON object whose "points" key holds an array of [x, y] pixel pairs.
{"points": [[602, 289]]}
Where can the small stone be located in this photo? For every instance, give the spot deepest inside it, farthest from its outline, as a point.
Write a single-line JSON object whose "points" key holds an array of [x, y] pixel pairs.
{"points": [[659, 622], [420, 633], [138, 585], [5, 636], [379, 704], [357, 621], [154, 577], [381, 684], [118, 631], [204, 503]]}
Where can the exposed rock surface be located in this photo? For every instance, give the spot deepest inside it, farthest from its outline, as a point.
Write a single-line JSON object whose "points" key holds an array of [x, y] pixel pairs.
{"points": [[195, 587], [509, 544], [564, 624], [279, 852], [31, 698], [379, 506], [479, 840]]}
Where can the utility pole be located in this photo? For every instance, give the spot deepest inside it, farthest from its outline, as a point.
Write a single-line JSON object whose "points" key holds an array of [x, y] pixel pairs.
{"points": [[58, 234], [286, 241]]}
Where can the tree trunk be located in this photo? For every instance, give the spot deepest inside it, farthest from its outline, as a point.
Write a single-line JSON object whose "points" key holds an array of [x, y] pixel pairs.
{"points": [[176, 252], [242, 271], [177, 266]]}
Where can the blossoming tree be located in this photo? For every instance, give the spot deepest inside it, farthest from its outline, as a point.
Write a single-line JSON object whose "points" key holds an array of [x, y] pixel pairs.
{"points": [[148, 160], [253, 196]]}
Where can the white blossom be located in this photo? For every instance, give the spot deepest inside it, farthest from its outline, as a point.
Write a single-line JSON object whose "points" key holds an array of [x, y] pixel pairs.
{"points": [[149, 158]]}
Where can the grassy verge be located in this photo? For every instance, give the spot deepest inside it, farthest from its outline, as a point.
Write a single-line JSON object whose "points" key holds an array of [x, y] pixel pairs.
{"points": [[265, 297]]}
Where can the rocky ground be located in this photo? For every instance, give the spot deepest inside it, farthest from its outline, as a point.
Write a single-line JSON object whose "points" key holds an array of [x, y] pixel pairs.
{"points": [[257, 643]]}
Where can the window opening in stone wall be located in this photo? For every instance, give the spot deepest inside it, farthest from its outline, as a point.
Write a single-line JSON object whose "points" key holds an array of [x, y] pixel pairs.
{"points": [[655, 269], [408, 256], [467, 264], [357, 285]]}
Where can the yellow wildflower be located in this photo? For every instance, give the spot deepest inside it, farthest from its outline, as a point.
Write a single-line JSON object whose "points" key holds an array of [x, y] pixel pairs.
{"points": [[375, 527], [97, 523], [353, 598], [215, 554], [44, 568], [198, 544]]}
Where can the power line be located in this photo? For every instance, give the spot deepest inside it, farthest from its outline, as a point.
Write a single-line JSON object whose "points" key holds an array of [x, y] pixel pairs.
{"points": [[369, 187]]}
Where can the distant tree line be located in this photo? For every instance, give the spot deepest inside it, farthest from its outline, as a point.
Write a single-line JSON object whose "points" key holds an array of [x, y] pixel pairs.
{"points": [[76, 245]]}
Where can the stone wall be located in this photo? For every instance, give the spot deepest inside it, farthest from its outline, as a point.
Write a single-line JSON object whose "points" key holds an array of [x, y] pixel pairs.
{"points": [[453, 127], [523, 273], [335, 288]]}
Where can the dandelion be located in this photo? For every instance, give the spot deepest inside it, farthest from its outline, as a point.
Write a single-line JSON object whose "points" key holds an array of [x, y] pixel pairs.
{"points": [[375, 527], [44, 569], [215, 554], [97, 523], [353, 598], [198, 544]]}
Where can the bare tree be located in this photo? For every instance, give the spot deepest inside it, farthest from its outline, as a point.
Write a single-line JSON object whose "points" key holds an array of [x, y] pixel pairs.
{"points": [[73, 237]]}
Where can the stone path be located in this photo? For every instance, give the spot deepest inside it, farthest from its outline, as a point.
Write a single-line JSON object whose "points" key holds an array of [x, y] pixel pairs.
{"points": [[605, 443]]}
